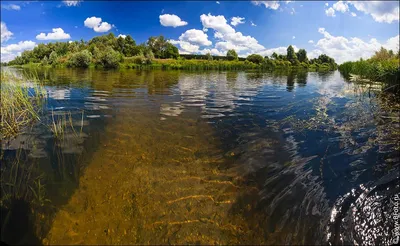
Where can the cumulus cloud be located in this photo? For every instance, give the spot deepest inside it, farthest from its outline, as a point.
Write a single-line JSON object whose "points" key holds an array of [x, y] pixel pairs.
{"points": [[195, 36], [353, 14], [11, 7], [97, 25], [217, 2], [268, 4], [213, 52], [330, 12], [9, 52], [237, 20], [293, 37], [186, 47], [5, 33], [326, 4], [227, 33], [171, 20], [121, 35], [381, 11], [252, 24], [341, 6], [57, 34], [310, 41], [71, 3], [349, 49]]}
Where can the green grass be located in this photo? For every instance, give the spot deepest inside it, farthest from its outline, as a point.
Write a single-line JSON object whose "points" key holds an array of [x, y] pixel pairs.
{"points": [[387, 71], [21, 103]]}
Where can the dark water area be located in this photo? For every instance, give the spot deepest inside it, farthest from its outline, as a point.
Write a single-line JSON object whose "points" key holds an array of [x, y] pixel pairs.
{"points": [[157, 157]]}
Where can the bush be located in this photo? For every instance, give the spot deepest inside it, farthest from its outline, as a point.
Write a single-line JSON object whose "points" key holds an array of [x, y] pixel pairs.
{"points": [[53, 59], [257, 59], [109, 58], [80, 59]]}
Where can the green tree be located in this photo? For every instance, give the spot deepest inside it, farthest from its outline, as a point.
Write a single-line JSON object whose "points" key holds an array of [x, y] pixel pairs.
{"points": [[291, 55], [255, 58], [45, 61], [275, 56], [232, 55], [130, 45], [80, 59], [53, 58], [302, 55], [209, 57], [170, 51], [109, 58]]}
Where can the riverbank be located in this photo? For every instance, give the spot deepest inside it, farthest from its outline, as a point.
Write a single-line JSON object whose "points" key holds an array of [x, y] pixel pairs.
{"points": [[199, 65], [384, 66]]}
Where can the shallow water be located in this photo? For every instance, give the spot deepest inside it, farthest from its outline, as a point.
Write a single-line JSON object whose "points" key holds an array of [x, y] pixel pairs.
{"points": [[157, 157]]}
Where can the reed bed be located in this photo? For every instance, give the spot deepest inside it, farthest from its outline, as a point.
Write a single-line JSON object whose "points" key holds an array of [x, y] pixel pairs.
{"points": [[387, 71], [21, 103]]}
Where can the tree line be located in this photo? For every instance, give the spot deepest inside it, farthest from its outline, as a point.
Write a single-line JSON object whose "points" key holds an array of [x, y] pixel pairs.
{"points": [[109, 51]]}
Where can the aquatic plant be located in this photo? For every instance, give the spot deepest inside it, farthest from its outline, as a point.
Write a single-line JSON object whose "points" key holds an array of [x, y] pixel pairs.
{"points": [[21, 103], [384, 66]]}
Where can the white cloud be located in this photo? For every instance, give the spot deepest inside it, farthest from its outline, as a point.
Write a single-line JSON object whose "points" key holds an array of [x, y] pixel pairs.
{"points": [[217, 2], [381, 11], [171, 20], [237, 20], [353, 14], [268, 4], [330, 12], [195, 36], [310, 41], [121, 35], [293, 37], [252, 24], [57, 34], [225, 32], [341, 7], [279, 50], [72, 3], [349, 49], [186, 47], [5, 33], [293, 11], [10, 51], [326, 4], [97, 25], [11, 7], [213, 52]]}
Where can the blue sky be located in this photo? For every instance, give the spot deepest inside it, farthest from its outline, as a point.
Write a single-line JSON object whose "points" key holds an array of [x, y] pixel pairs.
{"points": [[344, 30]]}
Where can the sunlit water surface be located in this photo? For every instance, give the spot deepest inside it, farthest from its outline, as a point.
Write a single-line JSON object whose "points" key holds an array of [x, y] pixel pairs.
{"points": [[219, 157]]}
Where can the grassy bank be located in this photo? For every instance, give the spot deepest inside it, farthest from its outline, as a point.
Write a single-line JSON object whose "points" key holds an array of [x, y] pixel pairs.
{"points": [[200, 65], [384, 66]]}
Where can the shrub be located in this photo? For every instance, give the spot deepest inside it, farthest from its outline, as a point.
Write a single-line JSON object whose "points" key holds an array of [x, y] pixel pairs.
{"points": [[80, 59], [109, 58], [257, 59]]}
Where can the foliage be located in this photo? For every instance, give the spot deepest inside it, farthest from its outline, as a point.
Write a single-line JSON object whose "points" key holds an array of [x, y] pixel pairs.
{"points": [[20, 105], [291, 55], [108, 51], [109, 58], [232, 55], [302, 55], [80, 59], [374, 69], [209, 57], [255, 58], [53, 59]]}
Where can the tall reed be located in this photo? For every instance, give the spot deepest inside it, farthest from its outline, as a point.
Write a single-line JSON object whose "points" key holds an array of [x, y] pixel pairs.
{"points": [[21, 103]]}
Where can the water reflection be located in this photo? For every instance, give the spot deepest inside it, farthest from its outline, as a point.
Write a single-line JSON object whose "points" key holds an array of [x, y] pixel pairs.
{"points": [[274, 157]]}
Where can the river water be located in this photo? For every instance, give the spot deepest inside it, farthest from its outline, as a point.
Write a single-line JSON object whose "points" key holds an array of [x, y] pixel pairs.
{"points": [[159, 157]]}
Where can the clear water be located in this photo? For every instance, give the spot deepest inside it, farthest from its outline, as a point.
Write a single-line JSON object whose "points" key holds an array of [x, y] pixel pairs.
{"points": [[157, 157]]}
